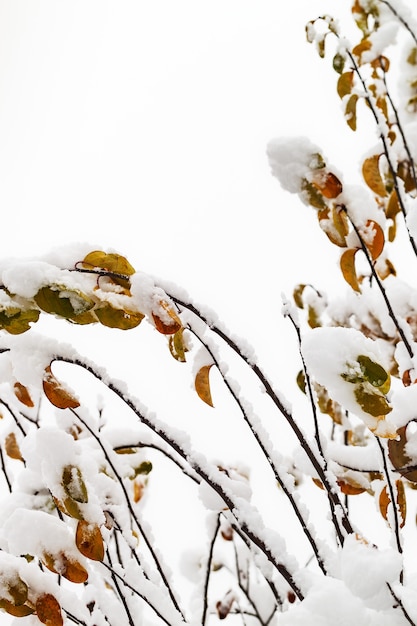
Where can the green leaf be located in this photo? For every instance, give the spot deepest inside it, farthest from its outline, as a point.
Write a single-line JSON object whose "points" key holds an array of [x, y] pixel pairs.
{"points": [[144, 468], [64, 302], [374, 373], [338, 62], [16, 321], [372, 401]]}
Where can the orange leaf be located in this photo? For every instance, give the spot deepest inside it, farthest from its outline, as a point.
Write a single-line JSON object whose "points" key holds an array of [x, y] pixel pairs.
{"points": [[372, 175], [329, 185], [373, 236], [48, 610], [89, 541], [70, 569], [347, 265], [12, 447], [56, 393], [202, 384], [23, 395], [169, 323], [349, 488]]}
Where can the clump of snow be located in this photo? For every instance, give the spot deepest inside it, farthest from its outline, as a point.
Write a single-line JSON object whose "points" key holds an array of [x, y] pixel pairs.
{"points": [[331, 355], [290, 159]]}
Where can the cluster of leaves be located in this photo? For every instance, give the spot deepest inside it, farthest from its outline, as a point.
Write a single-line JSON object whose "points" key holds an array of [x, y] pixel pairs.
{"points": [[390, 175]]}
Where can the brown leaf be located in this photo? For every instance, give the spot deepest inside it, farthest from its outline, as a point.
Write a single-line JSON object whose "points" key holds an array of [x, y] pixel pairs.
{"points": [[12, 447], [89, 541], [48, 610], [347, 265], [56, 393], [224, 606], [406, 466], [23, 395], [385, 501], [202, 384]]}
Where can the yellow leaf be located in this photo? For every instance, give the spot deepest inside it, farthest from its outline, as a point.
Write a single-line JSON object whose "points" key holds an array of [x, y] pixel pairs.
{"points": [[20, 610], [23, 395], [372, 175], [363, 46], [118, 318], [108, 261], [89, 541], [56, 393], [347, 265], [345, 84], [202, 384], [177, 346], [350, 111], [48, 610]]}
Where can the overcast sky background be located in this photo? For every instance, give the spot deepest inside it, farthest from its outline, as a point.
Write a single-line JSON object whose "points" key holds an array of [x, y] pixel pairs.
{"points": [[142, 126]]}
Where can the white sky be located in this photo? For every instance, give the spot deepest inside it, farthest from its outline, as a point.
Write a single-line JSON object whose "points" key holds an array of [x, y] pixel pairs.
{"points": [[143, 125]]}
